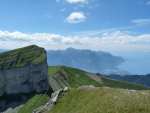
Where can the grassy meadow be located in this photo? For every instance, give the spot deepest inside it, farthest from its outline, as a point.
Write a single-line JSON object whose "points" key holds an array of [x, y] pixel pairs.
{"points": [[103, 100]]}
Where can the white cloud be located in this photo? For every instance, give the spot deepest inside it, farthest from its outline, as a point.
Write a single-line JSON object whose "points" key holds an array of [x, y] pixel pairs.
{"points": [[108, 41], [77, 1], [76, 17], [141, 22]]}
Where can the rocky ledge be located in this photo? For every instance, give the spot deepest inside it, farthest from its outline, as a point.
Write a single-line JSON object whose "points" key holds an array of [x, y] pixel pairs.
{"points": [[23, 70]]}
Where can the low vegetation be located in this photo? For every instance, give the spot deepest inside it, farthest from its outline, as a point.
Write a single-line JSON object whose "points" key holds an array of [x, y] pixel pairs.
{"points": [[77, 77], [97, 100], [33, 103], [122, 84], [22, 56], [103, 100]]}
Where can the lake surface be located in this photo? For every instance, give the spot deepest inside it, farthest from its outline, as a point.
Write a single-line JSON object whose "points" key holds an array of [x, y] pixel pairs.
{"points": [[136, 63]]}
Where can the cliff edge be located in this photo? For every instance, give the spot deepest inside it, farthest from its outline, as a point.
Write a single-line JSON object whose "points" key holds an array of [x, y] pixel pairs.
{"points": [[23, 70]]}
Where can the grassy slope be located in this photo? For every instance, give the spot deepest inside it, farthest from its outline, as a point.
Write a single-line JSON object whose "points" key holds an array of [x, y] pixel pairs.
{"points": [[78, 77], [103, 100], [34, 103], [122, 84], [22, 56]]}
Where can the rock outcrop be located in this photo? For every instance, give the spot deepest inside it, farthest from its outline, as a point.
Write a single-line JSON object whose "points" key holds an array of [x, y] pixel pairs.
{"points": [[59, 80], [23, 70]]}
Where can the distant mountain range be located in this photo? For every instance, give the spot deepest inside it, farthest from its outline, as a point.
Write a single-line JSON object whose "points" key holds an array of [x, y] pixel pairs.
{"points": [[93, 61], [139, 79]]}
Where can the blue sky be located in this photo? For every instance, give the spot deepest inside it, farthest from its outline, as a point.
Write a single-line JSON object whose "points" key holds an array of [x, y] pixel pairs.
{"points": [[123, 24], [121, 27], [50, 15]]}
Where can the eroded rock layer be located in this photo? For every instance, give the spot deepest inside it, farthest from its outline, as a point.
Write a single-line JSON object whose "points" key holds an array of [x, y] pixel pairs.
{"points": [[23, 70]]}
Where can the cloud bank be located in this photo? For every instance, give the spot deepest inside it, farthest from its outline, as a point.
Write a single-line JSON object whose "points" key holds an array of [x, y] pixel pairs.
{"points": [[108, 41]]}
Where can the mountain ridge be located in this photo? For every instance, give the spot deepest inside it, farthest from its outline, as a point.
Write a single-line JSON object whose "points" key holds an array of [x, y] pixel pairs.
{"points": [[139, 79], [93, 61], [78, 74]]}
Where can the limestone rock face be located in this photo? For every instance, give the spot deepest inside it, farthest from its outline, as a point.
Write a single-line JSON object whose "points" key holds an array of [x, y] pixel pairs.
{"points": [[23, 70]]}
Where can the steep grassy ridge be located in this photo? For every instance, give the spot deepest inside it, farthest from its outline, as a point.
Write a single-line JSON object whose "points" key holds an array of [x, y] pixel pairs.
{"points": [[76, 77]]}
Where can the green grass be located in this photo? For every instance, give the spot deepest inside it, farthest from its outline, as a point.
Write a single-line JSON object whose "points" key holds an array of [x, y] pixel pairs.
{"points": [[103, 100], [99, 100], [54, 69], [121, 84], [22, 56], [33, 103], [77, 77]]}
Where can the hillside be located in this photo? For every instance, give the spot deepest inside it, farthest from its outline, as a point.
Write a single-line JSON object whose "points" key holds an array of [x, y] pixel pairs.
{"points": [[103, 100], [138, 79], [33, 103], [61, 76], [76, 77]]}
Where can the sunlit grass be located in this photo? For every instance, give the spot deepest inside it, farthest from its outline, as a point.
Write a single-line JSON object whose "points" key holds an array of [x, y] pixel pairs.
{"points": [[34, 103], [104, 100]]}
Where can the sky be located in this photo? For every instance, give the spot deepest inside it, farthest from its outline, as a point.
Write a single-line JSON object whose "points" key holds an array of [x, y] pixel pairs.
{"points": [[85, 19], [68, 16], [121, 27]]}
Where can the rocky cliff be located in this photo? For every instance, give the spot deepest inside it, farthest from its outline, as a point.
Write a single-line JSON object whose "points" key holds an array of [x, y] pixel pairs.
{"points": [[23, 70]]}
